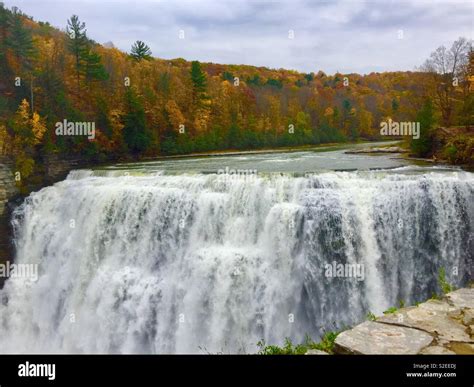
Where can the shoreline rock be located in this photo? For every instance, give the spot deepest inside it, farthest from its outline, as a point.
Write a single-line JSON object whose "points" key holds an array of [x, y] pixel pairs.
{"points": [[372, 337], [434, 327]]}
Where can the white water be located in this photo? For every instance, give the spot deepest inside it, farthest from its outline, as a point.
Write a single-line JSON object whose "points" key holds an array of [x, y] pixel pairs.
{"points": [[207, 263]]}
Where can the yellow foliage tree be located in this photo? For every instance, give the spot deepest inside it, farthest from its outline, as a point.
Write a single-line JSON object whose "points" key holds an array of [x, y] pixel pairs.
{"points": [[28, 132], [365, 123], [174, 113], [38, 128]]}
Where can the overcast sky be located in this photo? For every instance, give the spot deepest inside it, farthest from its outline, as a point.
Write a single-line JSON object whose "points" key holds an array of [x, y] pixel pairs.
{"points": [[345, 35]]}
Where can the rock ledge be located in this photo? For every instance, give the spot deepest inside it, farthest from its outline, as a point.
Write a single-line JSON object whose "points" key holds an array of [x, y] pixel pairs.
{"points": [[434, 327]]}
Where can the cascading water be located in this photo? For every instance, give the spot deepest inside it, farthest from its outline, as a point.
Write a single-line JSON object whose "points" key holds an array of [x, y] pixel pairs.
{"points": [[160, 263]]}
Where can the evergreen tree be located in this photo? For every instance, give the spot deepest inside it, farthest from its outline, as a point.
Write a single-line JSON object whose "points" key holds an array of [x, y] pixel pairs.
{"points": [[140, 51], [135, 131], [20, 42], [103, 120], [4, 19], [309, 77], [5, 70], [78, 43], [92, 68], [395, 104], [423, 145], [227, 76], [201, 101], [234, 136], [275, 83], [199, 78], [255, 80]]}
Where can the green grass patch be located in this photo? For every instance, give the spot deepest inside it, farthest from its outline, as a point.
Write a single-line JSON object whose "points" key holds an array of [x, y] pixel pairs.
{"points": [[326, 344]]}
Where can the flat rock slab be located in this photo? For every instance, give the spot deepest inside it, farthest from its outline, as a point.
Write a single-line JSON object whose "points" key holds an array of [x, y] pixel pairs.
{"points": [[462, 298], [436, 317], [376, 338]]}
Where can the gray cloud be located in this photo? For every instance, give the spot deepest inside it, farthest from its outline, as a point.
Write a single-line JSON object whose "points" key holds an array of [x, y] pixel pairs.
{"points": [[346, 36]]}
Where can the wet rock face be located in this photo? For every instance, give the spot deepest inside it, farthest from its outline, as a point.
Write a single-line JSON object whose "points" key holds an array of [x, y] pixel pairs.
{"points": [[433, 327]]}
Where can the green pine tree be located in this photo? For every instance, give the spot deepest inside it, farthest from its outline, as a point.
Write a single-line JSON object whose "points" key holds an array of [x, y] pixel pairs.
{"points": [[92, 68], [78, 43], [20, 44], [198, 77], [20, 41], [4, 27], [423, 146], [140, 51], [135, 130]]}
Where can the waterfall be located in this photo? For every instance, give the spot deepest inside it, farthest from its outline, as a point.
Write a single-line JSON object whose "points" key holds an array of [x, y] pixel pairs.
{"points": [[198, 263]]}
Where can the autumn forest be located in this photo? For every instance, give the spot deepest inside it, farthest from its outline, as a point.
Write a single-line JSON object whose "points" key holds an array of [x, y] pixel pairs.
{"points": [[143, 106]]}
